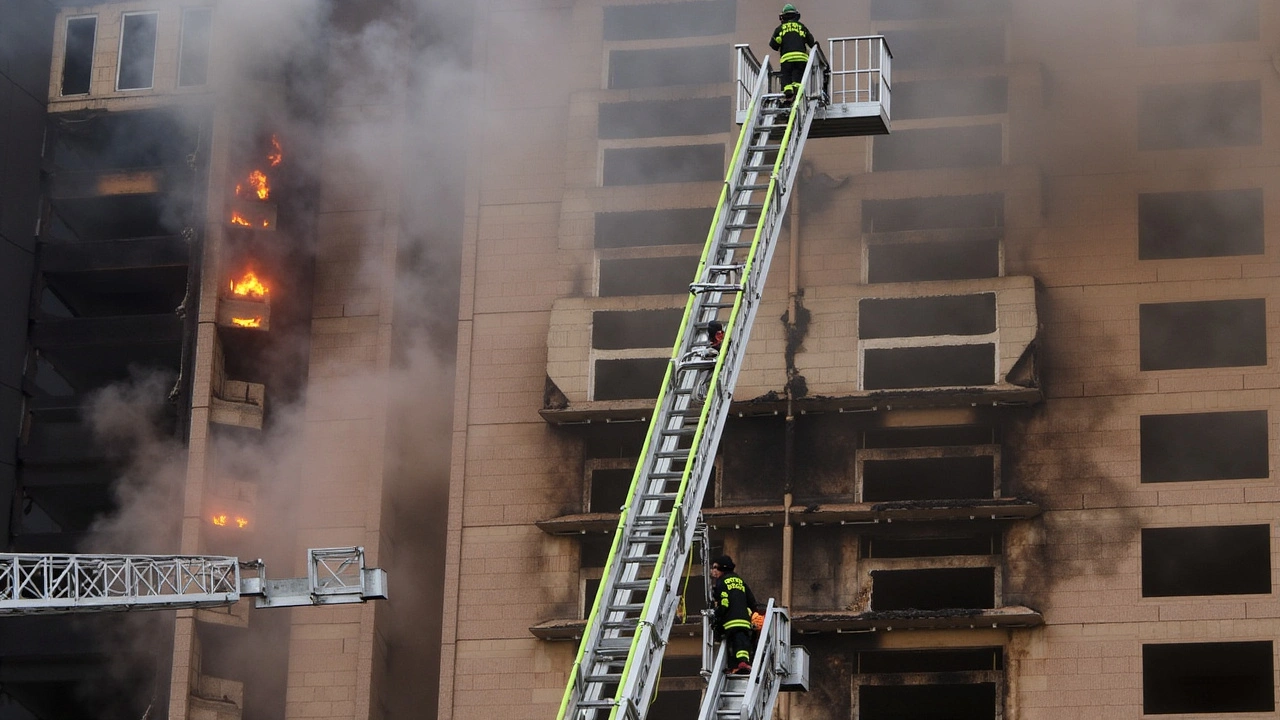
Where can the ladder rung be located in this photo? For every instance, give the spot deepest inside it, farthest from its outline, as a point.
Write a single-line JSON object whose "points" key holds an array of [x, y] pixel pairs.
{"points": [[765, 147], [640, 560], [672, 454], [739, 226], [658, 496], [666, 476], [684, 431], [753, 186], [595, 704], [714, 287], [747, 206], [625, 607], [605, 678], [632, 585]]}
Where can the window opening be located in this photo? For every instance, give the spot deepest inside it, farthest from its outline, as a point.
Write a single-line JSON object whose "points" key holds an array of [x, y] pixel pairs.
{"points": [[137, 63], [193, 56], [77, 60]]}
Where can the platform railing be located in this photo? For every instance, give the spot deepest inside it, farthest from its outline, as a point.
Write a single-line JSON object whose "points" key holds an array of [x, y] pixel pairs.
{"points": [[747, 71], [860, 70]]}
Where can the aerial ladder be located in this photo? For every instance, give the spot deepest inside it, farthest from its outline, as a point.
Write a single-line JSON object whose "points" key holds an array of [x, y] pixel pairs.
{"points": [[36, 584], [616, 670]]}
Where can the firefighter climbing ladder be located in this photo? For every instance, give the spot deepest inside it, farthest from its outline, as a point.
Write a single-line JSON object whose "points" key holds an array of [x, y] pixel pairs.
{"points": [[616, 670]]}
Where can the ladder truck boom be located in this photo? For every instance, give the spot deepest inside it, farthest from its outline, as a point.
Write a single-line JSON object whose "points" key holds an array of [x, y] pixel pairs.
{"points": [[32, 584], [616, 670], [618, 661]]}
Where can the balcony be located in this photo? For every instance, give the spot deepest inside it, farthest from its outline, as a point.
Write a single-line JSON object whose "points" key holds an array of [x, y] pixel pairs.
{"points": [[879, 346]]}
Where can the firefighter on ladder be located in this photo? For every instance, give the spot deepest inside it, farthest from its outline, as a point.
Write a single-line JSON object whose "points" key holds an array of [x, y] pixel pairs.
{"points": [[793, 40], [734, 607]]}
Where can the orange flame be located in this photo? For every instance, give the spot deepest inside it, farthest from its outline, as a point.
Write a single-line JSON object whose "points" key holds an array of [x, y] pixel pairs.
{"points": [[276, 154], [258, 181], [224, 520], [249, 286], [238, 219], [252, 322]]}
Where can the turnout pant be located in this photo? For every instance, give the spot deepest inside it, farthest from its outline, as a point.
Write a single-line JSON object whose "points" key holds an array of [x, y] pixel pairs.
{"points": [[737, 643]]}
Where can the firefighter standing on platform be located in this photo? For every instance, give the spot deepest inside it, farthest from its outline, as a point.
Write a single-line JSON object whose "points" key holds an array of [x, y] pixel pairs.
{"points": [[734, 605], [793, 40]]}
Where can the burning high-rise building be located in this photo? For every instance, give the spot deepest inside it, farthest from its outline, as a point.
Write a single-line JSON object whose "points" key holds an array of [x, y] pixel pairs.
{"points": [[208, 233], [1001, 441]]}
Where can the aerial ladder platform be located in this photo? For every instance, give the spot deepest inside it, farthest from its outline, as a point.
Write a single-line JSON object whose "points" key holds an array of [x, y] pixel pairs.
{"points": [[616, 671], [36, 584]]}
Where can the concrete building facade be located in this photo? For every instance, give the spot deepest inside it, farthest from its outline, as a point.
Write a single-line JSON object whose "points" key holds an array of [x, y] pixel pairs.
{"points": [[1002, 440]]}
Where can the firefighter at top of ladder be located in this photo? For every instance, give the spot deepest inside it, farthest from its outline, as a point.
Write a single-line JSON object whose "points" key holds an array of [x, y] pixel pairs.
{"points": [[793, 40]]}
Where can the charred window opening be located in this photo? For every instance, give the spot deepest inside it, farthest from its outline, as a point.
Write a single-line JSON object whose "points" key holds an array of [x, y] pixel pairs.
{"points": [[680, 686], [932, 436], [1225, 333], [953, 97], [962, 684], [701, 65], [1200, 224], [1205, 446], [77, 60], [938, 543], [924, 367], [955, 701], [593, 550], [933, 213], [952, 147], [681, 226], [933, 589], [137, 51], [935, 9], [124, 140], [1187, 22], [629, 379], [930, 661], [695, 595], [961, 258], [618, 330], [609, 488], [648, 165], [193, 54], [612, 441], [233, 653], [1224, 560], [647, 276], [655, 21], [939, 478], [1200, 115], [663, 118], [1221, 677], [120, 291], [927, 316], [947, 47]]}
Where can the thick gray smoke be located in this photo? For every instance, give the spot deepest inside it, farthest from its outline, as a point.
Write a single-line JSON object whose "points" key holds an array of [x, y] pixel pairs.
{"points": [[384, 89]]}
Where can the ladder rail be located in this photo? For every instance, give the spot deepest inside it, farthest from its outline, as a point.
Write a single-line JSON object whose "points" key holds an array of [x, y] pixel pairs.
{"points": [[752, 697]]}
